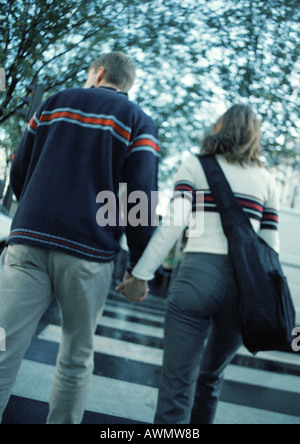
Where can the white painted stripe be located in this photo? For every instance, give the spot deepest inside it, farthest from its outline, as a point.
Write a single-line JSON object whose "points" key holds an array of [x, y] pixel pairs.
{"points": [[275, 356], [133, 312], [132, 327], [237, 414], [154, 304], [107, 396], [263, 378], [129, 400], [112, 347], [152, 355]]}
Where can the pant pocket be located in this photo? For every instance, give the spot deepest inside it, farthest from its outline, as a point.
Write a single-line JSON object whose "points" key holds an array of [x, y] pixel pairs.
{"points": [[16, 255]]}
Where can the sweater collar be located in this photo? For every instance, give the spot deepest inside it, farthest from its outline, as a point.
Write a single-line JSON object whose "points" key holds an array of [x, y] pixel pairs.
{"points": [[108, 88]]}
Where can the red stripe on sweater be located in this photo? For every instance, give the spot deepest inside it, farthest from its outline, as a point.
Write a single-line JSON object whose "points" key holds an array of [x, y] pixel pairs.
{"points": [[144, 142], [89, 120]]}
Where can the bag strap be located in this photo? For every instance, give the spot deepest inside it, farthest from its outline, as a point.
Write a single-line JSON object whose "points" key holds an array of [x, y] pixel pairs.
{"points": [[231, 212]]}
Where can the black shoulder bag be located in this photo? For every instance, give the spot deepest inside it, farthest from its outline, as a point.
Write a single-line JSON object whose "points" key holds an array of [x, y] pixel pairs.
{"points": [[265, 306]]}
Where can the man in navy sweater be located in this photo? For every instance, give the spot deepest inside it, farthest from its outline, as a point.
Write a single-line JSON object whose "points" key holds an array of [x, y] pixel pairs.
{"points": [[80, 144]]}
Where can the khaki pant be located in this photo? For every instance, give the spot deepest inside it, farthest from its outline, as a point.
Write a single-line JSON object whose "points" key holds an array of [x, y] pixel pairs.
{"points": [[29, 279]]}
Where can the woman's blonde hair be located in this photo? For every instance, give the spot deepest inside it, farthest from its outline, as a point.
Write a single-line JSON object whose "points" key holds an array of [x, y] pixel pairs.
{"points": [[236, 135]]}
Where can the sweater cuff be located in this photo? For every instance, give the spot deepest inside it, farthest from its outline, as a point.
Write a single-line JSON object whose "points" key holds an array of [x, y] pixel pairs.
{"points": [[138, 274]]}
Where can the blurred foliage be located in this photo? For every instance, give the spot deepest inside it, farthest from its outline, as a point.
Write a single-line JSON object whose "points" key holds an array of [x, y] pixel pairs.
{"points": [[194, 59]]}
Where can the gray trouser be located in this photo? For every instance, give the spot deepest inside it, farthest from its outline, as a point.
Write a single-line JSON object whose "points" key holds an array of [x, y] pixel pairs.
{"points": [[201, 338], [30, 277]]}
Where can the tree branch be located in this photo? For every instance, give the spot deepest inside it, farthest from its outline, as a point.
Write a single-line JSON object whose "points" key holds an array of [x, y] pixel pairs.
{"points": [[87, 36]]}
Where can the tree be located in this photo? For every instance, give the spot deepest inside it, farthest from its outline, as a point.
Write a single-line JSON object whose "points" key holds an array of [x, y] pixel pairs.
{"points": [[194, 59], [257, 43], [42, 40], [54, 42]]}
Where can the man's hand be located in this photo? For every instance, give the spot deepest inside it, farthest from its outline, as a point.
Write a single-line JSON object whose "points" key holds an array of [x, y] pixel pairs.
{"points": [[135, 290]]}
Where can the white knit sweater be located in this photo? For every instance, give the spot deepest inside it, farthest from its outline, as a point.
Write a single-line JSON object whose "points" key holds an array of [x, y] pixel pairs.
{"points": [[255, 190]]}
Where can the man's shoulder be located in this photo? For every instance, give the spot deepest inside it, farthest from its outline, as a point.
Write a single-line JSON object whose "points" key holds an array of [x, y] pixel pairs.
{"points": [[108, 102], [65, 94], [141, 116]]}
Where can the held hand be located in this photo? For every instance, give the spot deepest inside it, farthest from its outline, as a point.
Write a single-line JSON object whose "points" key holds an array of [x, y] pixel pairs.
{"points": [[135, 290]]}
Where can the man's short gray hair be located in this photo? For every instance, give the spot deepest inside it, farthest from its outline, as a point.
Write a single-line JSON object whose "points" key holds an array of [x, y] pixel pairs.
{"points": [[118, 69]]}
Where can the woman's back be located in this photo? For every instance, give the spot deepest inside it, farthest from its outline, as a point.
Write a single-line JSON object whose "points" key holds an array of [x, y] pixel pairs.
{"points": [[255, 190]]}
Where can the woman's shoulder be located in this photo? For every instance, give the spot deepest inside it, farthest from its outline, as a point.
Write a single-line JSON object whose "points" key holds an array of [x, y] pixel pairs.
{"points": [[190, 163], [191, 169], [259, 170]]}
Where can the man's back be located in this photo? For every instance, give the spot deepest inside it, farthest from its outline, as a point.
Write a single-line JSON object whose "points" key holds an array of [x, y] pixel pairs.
{"points": [[79, 143]]}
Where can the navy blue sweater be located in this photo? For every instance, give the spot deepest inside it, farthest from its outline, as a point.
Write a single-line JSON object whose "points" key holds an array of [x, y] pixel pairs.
{"points": [[79, 143]]}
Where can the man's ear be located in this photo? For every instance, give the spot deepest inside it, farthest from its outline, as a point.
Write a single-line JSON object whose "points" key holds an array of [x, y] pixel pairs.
{"points": [[100, 75]]}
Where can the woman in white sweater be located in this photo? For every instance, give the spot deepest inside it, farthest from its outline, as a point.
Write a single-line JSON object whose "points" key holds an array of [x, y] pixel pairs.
{"points": [[201, 330]]}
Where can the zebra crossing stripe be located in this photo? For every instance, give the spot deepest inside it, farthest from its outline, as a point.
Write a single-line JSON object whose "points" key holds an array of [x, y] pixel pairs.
{"points": [[128, 359]]}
